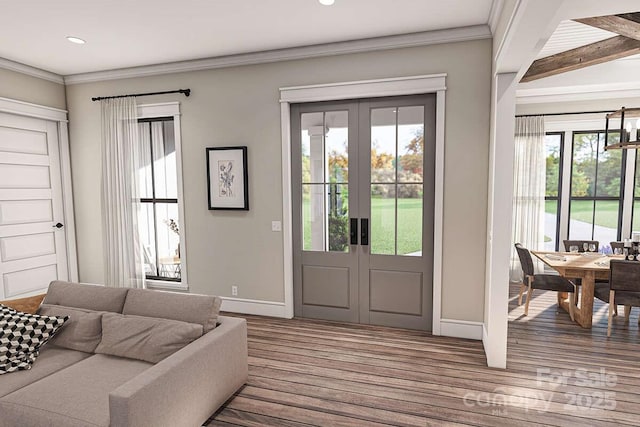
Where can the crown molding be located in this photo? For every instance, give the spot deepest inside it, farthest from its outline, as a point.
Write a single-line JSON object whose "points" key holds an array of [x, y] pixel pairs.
{"points": [[452, 35], [494, 14], [578, 93], [30, 71]]}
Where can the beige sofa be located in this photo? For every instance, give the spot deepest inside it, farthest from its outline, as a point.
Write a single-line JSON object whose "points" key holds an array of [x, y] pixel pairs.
{"points": [[72, 388]]}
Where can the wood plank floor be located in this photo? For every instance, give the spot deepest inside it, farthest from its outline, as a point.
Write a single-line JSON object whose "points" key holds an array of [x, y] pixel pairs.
{"points": [[307, 372]]}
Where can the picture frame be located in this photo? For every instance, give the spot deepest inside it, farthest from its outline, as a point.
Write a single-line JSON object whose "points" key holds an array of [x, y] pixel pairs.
{"points": [[227, 178]]}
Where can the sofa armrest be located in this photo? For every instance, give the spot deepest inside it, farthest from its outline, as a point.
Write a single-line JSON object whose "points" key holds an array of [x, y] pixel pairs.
{"points": [[186, 388]]}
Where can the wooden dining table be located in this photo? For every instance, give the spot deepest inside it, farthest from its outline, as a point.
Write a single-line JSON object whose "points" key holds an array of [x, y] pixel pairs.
{"points": [[587, 266]]}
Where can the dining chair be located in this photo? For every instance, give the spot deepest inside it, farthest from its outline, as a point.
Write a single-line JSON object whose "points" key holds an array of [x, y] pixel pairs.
{"points": [[547, 282], [617, 245], [624, 287], [580, 244]]}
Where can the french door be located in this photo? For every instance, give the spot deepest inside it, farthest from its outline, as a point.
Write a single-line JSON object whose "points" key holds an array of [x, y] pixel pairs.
{"points": [[363, 189]]}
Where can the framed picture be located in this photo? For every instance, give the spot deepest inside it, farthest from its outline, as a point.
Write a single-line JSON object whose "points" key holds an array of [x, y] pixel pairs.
{"points": [[227, 179]]}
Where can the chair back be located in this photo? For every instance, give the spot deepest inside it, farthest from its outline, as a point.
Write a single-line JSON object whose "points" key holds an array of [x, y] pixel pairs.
{"points": [[624, 276], [617, 245], [580, 244], [525, 260]]}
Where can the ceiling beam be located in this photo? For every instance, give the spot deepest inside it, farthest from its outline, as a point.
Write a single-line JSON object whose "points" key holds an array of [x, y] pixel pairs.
{"points": [[626, 24], [581, 57]]}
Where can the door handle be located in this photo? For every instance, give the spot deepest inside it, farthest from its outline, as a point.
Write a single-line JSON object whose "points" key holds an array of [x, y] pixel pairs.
{"points": [[353, 231], [364, 231], [58, 225]]}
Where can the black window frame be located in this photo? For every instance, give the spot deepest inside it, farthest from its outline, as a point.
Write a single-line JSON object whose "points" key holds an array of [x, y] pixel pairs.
{"points": [[595, 198], [557, 198], [153, 200]]}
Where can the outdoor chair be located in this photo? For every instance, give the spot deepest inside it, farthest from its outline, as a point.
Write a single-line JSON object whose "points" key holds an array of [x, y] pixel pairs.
{"points": [[548, 282], [624, 288]]}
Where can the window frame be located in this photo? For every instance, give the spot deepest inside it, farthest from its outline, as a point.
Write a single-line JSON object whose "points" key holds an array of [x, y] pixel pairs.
{"points": [[558, 198], [153, 112], [595, 198]]}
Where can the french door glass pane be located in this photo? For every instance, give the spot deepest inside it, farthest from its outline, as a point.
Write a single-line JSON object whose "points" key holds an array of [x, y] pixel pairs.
{"points": [[383, 145], [325, 217], [397, 157], [325, 149], [409, 219], [338, 220], [383, 219], [325, 177], [410, 144]]}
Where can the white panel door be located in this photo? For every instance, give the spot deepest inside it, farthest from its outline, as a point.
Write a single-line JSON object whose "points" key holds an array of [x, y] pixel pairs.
{"points": [[33, 249]]}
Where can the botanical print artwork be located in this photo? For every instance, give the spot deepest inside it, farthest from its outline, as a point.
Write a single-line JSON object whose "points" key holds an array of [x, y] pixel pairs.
{"points": [[225, 182]]}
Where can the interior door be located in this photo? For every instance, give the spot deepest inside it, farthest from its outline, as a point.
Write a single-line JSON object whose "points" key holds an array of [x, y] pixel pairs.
{"points": [[363, 188], [32, 236], [396, 197], [324, 162]]}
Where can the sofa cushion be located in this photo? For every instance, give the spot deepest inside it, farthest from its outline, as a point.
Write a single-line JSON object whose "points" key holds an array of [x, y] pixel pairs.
{"points": [[73, 397], [145, 338], [90, 297], [22, 335], [190, 308], [50, 360], [83, 330]]}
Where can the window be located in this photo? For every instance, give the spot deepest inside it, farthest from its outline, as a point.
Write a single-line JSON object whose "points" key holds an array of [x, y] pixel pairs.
{"points": [[553, 146], [159, 220], [636, 195], [595, 207]]}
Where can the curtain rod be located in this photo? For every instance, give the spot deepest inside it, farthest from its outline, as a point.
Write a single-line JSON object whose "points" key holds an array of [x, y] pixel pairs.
{"points": [[186, 92], [565, 114]]}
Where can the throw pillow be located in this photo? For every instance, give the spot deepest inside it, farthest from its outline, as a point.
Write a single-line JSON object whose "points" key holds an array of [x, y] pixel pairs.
{"points": [[144, 338], [22, 335], [82, 332]]}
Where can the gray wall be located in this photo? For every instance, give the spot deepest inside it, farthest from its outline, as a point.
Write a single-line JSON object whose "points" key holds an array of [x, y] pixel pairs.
{"points": [[239, 106], [25, 88]]}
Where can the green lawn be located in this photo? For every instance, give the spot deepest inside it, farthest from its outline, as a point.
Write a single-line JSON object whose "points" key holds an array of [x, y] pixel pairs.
{"points": [[582, 210], [383, 225]]}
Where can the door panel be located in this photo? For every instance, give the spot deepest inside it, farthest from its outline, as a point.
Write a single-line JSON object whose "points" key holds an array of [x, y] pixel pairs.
{"points": [[397, 192], [323, 160], [32, 250], [381, 179]]}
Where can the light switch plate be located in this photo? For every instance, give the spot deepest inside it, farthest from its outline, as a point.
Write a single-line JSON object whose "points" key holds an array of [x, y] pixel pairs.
{"points": [[276, 226]]}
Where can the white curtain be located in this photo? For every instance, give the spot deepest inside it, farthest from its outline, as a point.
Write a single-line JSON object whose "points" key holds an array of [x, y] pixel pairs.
{"points": [[123, 257], [528, 188]]}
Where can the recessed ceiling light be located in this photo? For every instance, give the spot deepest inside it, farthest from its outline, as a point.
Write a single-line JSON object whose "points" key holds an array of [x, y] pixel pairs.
{"points": [[75, 40], [327, 2]]}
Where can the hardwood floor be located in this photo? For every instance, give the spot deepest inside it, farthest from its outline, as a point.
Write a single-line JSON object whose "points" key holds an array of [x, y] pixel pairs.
{"points": [[309, 372]]}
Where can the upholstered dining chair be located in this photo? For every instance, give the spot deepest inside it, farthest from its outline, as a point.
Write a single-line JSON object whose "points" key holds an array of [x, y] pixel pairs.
{"points": [[617, 245], [624, 287], [548, 282], [580, 244]]}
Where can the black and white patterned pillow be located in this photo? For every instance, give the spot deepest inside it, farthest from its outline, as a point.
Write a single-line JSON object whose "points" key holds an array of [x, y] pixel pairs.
{"points": [[22, 335]]}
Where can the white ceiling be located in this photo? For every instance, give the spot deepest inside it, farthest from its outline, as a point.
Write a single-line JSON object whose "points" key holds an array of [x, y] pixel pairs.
{"points": [[121, 33]]}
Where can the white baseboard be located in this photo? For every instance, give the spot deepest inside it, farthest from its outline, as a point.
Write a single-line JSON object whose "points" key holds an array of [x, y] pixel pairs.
{"points": [[461, 329], [252, 306]]}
